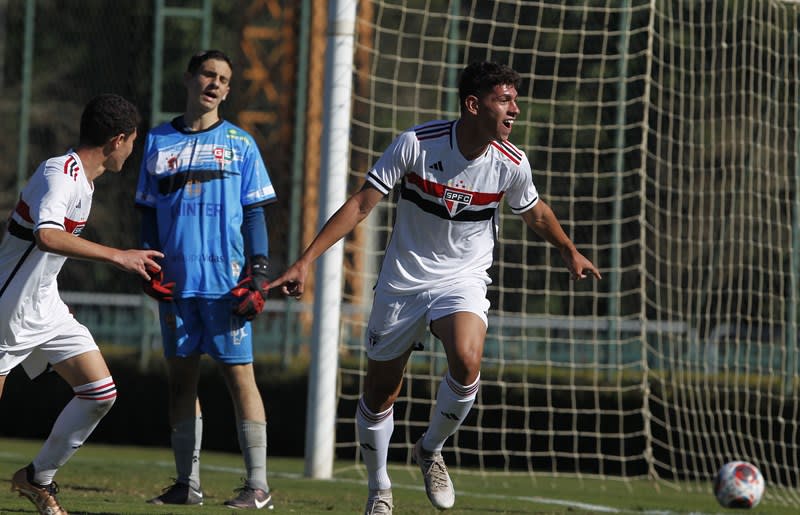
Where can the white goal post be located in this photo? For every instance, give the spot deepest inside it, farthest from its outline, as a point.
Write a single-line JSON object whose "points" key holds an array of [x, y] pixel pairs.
{"points": [[665, 135]]}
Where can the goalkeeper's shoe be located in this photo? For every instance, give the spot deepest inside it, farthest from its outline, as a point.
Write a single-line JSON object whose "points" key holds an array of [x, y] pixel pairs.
{"points": [[43, 496], [437, 481], [250, 499], [179, 493], [379, 502]]}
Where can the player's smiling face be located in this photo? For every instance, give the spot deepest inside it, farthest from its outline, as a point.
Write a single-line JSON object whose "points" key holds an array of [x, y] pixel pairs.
{"points": [[498, 111], [209, 86]]}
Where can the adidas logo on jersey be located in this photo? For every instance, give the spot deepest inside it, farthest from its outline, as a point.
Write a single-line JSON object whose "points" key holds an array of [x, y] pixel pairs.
{"points": [[437, 166]]}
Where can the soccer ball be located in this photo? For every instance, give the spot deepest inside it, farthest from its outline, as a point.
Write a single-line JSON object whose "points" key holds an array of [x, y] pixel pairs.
{"points": [[738, 484]]}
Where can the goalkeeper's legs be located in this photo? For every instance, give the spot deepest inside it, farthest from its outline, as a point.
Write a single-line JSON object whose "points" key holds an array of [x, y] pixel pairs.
{"points": [[251, 423], [185, 419]]}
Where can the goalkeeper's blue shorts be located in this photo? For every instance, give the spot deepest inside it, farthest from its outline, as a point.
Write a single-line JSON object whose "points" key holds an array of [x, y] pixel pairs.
{"points": [[205, 326]]}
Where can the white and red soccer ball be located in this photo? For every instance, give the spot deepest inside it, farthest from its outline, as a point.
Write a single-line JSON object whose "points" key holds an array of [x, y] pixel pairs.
{"points": [[738, 484]]}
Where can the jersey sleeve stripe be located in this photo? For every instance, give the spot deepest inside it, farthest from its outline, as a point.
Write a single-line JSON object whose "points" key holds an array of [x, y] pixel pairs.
{"points": [[71, 167], [379, 184], [433, 130], [518, 210], [50, 223]]}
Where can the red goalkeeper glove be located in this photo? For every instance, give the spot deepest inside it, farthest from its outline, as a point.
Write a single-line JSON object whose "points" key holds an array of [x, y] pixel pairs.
{"points": [[156, 287], [251, 292]]}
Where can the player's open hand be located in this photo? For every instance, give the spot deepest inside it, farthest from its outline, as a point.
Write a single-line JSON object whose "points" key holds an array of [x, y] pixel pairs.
{"points": [[139, 261]]}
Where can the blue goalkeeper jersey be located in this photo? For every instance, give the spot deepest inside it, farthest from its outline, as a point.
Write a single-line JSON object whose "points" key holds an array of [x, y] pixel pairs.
{"points": [[199, 183]]}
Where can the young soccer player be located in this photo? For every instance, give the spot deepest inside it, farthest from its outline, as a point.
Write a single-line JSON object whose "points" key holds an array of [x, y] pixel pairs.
{"points": [[452, 177], [36, 327], [201, 192]]}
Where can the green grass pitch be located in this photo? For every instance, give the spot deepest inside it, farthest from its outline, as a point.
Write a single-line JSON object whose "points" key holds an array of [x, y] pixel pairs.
{"points": [[103, 479]]}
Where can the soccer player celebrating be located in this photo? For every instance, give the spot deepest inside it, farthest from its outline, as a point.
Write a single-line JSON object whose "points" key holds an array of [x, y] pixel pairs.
{"points": [[452, 176], [201, 191], [36, 327]]}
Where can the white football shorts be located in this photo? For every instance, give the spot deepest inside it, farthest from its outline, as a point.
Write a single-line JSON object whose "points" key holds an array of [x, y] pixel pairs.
{"points": [[71, 340], [398, 322]]}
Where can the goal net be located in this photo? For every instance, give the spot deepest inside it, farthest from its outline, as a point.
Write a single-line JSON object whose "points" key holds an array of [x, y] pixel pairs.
{"points": [[664, 136]]}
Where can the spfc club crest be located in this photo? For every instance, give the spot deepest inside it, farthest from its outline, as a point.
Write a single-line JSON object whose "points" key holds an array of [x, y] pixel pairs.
{"points": [[456, 201]]}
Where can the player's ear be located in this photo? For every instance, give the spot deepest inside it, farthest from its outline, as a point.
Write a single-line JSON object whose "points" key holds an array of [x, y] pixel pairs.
{"points": [[471, 104], [118, 139]]}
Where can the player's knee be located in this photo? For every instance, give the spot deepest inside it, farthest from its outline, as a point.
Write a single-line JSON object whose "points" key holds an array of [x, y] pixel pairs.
{"points": [[104, 405], [100, 396], [380, 397]]}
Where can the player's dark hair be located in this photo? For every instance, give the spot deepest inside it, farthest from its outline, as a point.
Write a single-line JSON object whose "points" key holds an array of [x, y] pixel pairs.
{"points": [[199, 58], [480, 78], [106, 116]]}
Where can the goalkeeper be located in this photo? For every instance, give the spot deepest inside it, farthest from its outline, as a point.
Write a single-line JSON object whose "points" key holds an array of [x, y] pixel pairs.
{"points": [[202, 190], [452, 176]]}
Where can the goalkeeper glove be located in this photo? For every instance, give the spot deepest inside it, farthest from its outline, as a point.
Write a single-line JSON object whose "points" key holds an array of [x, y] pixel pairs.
{"points": [[156, 287], [251, 292]]}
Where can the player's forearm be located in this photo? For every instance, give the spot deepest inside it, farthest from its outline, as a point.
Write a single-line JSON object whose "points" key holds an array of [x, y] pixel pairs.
{"points": [[544, 223], [337, 227], [334, 230], [66, 244]]}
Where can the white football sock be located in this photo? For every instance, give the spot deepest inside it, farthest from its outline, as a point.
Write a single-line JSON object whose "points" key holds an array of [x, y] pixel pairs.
{"points": [[73, 426], [453, 402], [186, 439], [374, 432], [253, 443]]}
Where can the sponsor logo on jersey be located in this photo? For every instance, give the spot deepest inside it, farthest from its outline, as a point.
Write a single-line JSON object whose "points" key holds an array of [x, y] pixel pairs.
{"points": [[456, 201], [197, 258], [211, 209], [172, 162], [223, 155]]}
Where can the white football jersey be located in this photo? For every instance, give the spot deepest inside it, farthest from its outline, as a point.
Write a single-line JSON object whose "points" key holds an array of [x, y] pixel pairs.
{"points": [[448, 207], [58, 196]]}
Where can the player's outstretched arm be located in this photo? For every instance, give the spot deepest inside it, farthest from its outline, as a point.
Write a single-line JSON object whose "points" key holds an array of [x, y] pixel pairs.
{"points": [[66, 244], [543, 221], [352, 212]]}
